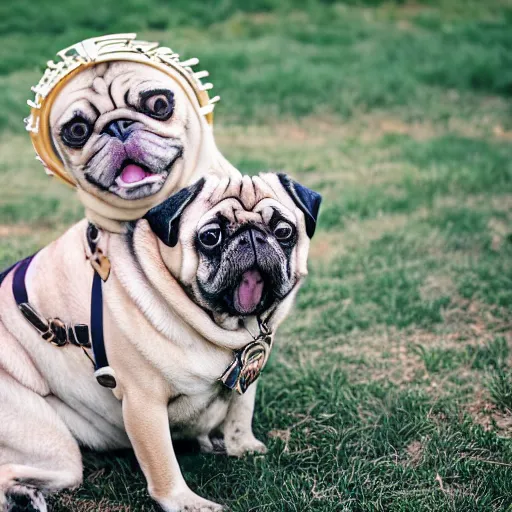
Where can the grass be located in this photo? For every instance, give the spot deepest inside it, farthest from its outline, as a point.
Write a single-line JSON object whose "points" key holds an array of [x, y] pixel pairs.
{"points": [[390, 387]]}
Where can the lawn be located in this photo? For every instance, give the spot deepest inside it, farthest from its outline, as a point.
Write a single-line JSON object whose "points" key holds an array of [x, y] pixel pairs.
{"points": [[390, 387]]}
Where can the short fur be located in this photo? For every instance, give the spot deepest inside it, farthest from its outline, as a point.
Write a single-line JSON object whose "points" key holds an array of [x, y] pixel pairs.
{"points": [[165, 339]]}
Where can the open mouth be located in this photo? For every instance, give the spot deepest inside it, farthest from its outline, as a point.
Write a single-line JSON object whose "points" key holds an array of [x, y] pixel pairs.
{"points": [[135, 175], [248, 294]]}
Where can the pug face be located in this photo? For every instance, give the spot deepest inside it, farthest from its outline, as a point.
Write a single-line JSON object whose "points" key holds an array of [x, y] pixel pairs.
{"points": [[123, 128], [238, 248]]}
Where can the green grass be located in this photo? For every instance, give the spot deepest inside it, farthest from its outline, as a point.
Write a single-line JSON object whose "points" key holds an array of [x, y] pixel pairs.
{"points": [[390, 387]]}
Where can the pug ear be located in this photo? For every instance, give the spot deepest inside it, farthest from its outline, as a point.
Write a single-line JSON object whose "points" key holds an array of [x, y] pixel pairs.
{"points": [[306, 199], [164, 219]]}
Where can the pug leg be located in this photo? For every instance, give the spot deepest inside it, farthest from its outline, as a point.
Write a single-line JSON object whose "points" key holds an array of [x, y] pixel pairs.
{"points": [[36, 448], [147, 425], [238, 436], [212, 444], [205, 444]]}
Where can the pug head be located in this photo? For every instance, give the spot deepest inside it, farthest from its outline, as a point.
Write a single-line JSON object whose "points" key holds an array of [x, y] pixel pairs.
{"points": [[240, 247], [124, 128]]}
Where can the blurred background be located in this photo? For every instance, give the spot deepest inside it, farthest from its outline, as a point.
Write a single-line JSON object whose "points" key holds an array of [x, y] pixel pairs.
{"points": [[390, 387]]}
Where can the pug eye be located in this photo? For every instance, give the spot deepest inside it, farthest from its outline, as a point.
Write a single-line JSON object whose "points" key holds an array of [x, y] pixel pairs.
{"points": [[283, 231], [210, 236], [76, 132], [159, 105]]}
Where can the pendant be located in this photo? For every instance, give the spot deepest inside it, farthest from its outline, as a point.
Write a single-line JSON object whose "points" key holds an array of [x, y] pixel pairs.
{"points": [[99, 261], [101, 264], [247, 364]]}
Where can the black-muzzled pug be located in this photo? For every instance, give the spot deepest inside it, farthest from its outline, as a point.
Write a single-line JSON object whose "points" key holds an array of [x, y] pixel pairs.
{"points": [[214, 266]]}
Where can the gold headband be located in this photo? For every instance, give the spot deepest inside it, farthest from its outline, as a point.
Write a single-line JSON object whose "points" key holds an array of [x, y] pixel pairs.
{"points": [[88, 53]]}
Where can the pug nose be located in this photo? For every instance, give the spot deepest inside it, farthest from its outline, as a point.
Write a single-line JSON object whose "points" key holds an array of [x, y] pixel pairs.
{"points": [[258, 237], [244, 240], [119, 128]]}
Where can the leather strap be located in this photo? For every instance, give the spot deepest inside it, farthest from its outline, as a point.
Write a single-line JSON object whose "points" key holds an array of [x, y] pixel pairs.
{"points": [[56, 332], [18, 283], [98, 343]]}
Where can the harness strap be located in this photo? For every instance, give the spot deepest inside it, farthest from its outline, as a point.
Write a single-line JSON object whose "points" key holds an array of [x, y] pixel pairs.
{"points": [[40, 323], [6, 272], [98, 343], [101, 265], [104, 373], [18, 283], [57, 333]]}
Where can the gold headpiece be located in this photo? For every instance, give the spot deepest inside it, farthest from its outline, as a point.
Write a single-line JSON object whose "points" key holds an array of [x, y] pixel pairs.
{"points": [[89, 53]]}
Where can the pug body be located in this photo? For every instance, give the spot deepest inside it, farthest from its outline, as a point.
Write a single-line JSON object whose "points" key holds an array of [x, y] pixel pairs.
{"points": [[188, 286]]}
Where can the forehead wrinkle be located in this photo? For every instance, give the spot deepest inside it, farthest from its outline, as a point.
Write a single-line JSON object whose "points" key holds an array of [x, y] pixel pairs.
{"points": [[278, 207], [219, 192], [247, 191], [93, 107], [263, 189], [92, 75], [83, 106], [99, 85], [155, 84], [83, 92], [218, 209], [133, 89], [118, 87], [235, 190], [232, 204], [234, 187]]}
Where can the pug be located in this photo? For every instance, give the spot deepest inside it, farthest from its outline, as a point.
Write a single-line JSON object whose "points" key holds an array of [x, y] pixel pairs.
{"points": [[122, 127], [193, 286], [126, 132]]}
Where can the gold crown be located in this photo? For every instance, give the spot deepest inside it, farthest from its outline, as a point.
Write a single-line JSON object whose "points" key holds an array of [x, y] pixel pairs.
{"points": [[89, 53]]}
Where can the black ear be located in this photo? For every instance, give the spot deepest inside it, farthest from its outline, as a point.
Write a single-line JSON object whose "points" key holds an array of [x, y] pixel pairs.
{"points": [[306, 199], [164, 219]]}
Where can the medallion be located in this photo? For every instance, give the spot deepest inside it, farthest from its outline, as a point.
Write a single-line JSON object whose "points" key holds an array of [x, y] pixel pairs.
{"points": [[247, 364]]}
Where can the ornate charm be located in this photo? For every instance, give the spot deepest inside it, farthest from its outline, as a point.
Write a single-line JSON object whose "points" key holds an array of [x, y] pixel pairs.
{"points": [[247, 364], [99, 262]]}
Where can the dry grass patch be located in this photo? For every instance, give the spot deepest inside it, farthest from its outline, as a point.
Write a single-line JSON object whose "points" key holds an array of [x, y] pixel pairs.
{"points": [[8, 230], [488, 415], [438, 285], [414, 452], [356, 234], [327, 245]]}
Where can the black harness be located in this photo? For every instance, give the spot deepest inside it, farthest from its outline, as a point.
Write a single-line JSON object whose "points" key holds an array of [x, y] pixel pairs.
{"points": [[245, 368], [55, 331]]}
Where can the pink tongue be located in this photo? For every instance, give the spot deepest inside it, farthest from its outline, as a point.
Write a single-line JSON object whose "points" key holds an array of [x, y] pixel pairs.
{"points": [[249, 291], [133, 173]]}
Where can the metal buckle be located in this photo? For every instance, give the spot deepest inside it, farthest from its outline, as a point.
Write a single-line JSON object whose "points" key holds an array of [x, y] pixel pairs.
{"points": [[60, 332], [54, 330], [78, 335]]}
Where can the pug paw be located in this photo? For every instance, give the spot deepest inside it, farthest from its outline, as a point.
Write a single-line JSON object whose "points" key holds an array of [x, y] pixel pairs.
{"points": [[188, 501], [213, 445], [238, 446]]}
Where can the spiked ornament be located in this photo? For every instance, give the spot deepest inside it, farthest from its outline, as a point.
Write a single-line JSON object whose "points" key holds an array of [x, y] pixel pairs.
{"points": [[73, 60]]}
